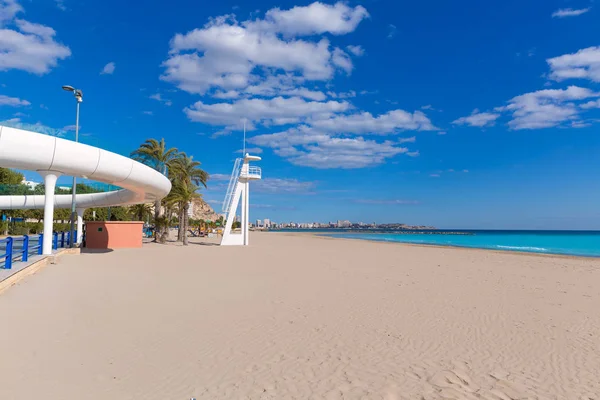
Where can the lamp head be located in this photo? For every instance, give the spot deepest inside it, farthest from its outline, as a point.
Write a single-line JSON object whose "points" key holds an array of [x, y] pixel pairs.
{"points": [[68, 88]]}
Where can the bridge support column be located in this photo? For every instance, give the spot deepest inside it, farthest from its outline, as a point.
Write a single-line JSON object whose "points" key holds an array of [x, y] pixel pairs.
{"points": [[80, 212], [50, 178]]}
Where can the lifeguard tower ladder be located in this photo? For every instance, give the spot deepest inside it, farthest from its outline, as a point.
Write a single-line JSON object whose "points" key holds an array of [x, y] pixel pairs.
{"points": [[239, 189]]}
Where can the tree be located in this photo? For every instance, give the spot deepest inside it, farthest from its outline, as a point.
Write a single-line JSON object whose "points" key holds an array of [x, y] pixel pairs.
{"points": [[10, 177], [117, 213], [155, 154], [139, 212], [182, 193], [186, 173]]}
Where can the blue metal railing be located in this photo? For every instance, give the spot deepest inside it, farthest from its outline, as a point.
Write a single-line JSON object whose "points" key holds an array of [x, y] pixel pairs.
{"points": [[19, 248]]}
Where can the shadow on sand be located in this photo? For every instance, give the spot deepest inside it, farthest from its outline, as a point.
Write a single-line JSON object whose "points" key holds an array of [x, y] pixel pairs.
{"points": [[204, 243], [85, 250]]}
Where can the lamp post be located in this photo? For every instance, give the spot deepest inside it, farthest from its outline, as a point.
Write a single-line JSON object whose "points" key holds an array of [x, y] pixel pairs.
{"points": [[79, 97]]}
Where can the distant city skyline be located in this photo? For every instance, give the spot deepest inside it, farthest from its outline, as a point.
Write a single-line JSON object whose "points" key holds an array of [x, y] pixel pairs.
{"points": [[456, 115]]}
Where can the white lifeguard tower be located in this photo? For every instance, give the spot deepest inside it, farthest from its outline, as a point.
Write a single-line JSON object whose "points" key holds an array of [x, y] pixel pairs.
{"points": [[239, 189]]}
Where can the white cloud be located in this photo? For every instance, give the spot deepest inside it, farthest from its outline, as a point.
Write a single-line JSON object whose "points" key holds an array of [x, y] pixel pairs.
{"points": [[147, 112], [365, 123], [276, 111], [8, 10], [591, 104], [276, 71], [281, 85], [546, 108], [37, 127], [569, 12], [314, 19], [12, 101], [478, 119], [230, 55], [342, 95], [28, 46], [358, 51], [580, 124], [323, 141], [304, 92], [314, 148], [251, 150], [341, 59], [552, 107], [158, 97], [434, 175], [279, 185], [108, 69], [60, 4], [392, 31], [585, 64], [230, 94]]}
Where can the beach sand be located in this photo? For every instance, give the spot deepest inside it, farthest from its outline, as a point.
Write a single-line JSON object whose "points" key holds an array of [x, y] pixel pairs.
{"points": [[301, 317]]}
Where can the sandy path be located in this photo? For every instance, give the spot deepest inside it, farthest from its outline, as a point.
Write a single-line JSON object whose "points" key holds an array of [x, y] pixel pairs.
{"points": [[306, 318]]}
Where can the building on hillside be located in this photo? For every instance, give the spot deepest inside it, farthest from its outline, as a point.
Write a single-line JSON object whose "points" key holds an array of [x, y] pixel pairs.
{"points": [[30, 184]]}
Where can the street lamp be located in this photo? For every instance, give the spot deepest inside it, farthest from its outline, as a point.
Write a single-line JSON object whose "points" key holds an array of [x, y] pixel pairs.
{"points": [[79, 97]]}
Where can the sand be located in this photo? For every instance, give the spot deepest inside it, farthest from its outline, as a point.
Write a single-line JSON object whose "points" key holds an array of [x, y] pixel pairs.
{"points": [[299, 317]]}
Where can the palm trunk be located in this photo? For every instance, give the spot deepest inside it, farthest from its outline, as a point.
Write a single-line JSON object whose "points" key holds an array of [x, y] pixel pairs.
{"points": [[181, 230], [185, 223], [158, 232]]}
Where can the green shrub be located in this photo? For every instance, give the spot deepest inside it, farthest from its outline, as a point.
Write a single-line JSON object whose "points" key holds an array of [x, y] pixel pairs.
{"points": [[35, 227], [57, 227], [3, 227], [18, 229]]}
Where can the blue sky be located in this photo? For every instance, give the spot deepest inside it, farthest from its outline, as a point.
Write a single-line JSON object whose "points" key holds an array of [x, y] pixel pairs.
{"points": [[462, 114]]}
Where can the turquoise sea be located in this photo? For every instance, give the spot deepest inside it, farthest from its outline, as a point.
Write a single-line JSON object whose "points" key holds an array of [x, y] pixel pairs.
{"points": [[575, 243]]}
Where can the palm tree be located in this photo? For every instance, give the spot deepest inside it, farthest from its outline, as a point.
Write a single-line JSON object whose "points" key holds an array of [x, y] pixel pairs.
{"points": [[185, 173], [155, 154], [187, 170], [140, 211], [183, 194]]}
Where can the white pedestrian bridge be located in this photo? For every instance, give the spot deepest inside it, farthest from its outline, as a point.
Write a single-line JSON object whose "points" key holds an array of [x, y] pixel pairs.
{"points": [[52, 157]]}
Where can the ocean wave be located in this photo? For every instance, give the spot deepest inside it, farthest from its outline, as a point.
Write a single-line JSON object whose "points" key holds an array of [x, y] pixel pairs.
{"points": [[524, 248]]}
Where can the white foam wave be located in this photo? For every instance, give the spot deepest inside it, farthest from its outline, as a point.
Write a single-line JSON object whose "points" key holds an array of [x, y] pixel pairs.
{"points": [[524, 248]]}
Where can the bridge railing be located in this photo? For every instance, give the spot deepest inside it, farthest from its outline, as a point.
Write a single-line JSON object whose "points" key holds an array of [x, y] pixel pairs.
{"points": [[19, 248]]}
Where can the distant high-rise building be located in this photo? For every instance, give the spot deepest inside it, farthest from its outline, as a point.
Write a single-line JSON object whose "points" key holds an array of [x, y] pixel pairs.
{"points": [[259, 223], [344, 224], [267, 223]]}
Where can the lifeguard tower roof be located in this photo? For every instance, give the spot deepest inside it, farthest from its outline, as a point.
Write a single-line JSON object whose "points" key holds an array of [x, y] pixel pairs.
{"points": [[248, 157]]}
